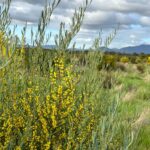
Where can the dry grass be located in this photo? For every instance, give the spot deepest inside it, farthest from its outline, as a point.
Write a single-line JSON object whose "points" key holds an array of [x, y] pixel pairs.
{"points": [[147, 78], [129, 96], [118, 87], [144, 119]]}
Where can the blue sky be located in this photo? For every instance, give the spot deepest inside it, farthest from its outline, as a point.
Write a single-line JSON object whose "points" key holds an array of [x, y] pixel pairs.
{"points": [[133, 16]]}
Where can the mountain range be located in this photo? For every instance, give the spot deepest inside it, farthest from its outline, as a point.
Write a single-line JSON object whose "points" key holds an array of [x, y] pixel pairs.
{"points": [[144, 48], [130, 49]]}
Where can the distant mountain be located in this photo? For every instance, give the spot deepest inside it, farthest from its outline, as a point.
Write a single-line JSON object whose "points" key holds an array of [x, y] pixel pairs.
{"points": [[136, 49], [49, 46], [130, 49]]}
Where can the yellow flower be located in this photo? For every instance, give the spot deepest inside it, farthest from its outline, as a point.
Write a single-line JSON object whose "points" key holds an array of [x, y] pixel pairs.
{"points": [[30, 82], [54, 109], [47, 145], [54, 122], [48, 97], [59, 90], [29, 91], [44, 125], [37, 88], [148, 60], [18, 148]]}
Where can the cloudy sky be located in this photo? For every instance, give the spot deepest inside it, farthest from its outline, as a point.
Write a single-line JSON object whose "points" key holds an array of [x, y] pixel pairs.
{"points": [[132, 15]]}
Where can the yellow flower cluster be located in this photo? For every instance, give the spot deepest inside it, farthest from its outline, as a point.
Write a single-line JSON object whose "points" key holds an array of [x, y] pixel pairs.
{"points": [[2, 44], [148, 60], [5, 51], [124, 59], [40, 116]]}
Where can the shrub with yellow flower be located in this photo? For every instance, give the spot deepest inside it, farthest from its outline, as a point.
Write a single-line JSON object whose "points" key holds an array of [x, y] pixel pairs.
{"points": [[148, 60], [124, 59], [44, 121]]}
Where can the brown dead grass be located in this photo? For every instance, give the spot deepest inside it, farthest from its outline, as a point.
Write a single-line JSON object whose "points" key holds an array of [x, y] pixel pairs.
{"points": [[129, 96], [147, 78], [144, 119], [119, 87]]}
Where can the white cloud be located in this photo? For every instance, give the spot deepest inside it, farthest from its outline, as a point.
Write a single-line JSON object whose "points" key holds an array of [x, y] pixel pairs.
{"points": [[145, 20], [131, 14]]}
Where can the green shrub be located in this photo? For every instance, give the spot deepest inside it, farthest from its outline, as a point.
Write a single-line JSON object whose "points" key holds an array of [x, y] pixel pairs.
{"points": [[108, 81], [108, 62], [124, 59], [140, 68], [148, 60], [138, 60]]}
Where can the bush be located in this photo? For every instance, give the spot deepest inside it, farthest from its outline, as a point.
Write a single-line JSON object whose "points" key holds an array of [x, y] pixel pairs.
{"points": [[124, 59], [140, 68], [148, 60], [133, 59], [121, 66], [108, 81], [44, 119], [138, 60], [108, 62]]}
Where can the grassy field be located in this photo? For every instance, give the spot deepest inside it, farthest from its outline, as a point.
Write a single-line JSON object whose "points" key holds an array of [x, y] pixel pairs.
{"points": [[70, 100], [136, 107], [133, 87], [68, 103]]}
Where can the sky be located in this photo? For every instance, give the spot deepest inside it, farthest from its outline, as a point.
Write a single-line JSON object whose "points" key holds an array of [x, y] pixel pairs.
{"points": [[132, 15]]}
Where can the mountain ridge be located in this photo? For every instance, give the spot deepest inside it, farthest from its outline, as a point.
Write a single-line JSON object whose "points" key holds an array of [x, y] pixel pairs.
{"points": [[143, 48]]}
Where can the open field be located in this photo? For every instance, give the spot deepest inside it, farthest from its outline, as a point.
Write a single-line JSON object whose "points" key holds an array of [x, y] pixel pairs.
{"points": [[63, 102]]}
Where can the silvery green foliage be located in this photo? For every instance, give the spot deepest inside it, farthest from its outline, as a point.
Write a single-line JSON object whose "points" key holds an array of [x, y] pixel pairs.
{"points": [[4, 16], [98, 42], [65, 36], [107, 130], [44, 21], [10, 38]]}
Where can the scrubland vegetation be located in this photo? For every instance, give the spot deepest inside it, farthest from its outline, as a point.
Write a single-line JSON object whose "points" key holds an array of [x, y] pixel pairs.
{"points": [[59, 99]]}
